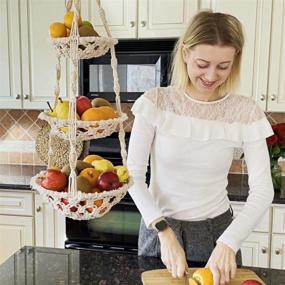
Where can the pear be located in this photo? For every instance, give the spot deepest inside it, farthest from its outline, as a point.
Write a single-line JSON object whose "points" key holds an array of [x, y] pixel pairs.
{"points": [[83, 184], [62, 109], [52, 112], [122, 172], [80, 165], [103, 165], [99, 102], [87, 23]]}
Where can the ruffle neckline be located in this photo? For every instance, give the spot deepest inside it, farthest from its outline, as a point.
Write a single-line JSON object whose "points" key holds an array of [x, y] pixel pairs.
{"points": [[188, 96], [200, 129]]}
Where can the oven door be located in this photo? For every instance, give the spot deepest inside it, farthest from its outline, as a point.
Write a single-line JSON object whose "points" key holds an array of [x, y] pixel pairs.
{"points": [[117, 230]]}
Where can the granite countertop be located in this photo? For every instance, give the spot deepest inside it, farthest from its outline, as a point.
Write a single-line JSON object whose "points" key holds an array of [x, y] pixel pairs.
{"points": [[46, 266], [237, 187]]}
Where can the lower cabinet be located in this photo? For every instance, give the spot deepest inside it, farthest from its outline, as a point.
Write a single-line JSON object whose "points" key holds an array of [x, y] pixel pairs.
{"points": [[26, 220], [265, 246]]}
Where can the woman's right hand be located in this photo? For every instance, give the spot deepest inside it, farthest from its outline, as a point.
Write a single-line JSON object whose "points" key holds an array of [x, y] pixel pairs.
{"points": [[172, 254]]}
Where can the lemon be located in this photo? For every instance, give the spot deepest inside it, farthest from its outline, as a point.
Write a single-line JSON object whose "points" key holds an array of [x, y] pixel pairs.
{"points": [[68, 18], [57, 30]]}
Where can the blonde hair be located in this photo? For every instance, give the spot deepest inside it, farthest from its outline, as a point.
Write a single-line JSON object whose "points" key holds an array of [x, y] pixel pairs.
{"points": [[210, 28]]}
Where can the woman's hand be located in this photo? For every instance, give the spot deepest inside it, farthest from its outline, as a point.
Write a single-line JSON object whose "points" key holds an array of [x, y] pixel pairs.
{"points": [[222, 263], [172, 254]]}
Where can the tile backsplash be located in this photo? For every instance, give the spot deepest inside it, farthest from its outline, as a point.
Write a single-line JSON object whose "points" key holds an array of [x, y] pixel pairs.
{"points": [[19, 129]]}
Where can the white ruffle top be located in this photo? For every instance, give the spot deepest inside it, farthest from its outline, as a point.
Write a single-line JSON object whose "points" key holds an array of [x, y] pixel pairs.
{"points": [[191, 144]]}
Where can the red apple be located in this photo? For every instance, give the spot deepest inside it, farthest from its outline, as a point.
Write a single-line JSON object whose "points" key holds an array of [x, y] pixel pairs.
{"points": [[251, 282], [54, 180], [108, 181], [82, 104]]}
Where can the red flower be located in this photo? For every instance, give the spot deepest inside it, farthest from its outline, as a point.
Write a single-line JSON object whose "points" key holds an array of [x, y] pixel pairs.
{"points": [[272, 140], [280, 129]]}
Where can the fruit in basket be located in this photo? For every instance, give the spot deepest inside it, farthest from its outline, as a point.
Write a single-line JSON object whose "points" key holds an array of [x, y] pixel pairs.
{"points": [[87, 31], [87, 23], [91, 174], [98, 102], [57, 30], [108, 181], [82, 104], [108, 112], [62, 109], [80, 165], [91, 157], [122, 172], [98, 203], [202, 276], [98, 113], [103, 165], [251, 282], [53, 180], [83, 184], [68, 18], [66, 170]]}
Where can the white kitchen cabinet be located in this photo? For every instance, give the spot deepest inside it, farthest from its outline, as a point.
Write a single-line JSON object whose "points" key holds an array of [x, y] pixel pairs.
{"points": [[27, 58], [256, 248], [142, 18], [278, 251], [26, 220], [263, 62], [49, 225]]}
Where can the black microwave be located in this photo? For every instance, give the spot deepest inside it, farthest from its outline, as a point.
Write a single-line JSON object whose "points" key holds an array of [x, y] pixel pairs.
{"points": [[142, 65]]}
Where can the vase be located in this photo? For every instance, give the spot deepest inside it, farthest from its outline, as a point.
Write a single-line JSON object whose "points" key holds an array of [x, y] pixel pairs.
{"points": [[276, 173]]}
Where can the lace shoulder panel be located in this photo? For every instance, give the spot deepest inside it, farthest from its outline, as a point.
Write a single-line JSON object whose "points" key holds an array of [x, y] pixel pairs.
{"points": [[232, 108]]}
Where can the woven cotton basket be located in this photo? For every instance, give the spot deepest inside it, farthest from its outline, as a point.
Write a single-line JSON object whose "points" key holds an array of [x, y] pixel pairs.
{"points": [[89, 47], [86, 130], [82, 206]]}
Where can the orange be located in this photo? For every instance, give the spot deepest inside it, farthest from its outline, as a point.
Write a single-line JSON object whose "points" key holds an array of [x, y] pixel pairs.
{"points": [[68, 18], [92, 114], [57, 30], [91, 174], [108, 111], [204, 276], [98, 203], [91, 157]]}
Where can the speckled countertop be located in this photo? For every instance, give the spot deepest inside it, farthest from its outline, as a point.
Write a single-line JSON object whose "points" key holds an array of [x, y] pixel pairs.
{"points": [[18, 177], [49, 266]]}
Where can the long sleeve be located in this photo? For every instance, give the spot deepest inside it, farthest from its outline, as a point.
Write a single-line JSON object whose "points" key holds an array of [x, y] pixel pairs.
{"points": [[260, 194], [138, 156]]}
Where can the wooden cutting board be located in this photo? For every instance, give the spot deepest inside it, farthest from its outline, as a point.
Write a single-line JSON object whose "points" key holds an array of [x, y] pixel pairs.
{"points": [[163, 277]]}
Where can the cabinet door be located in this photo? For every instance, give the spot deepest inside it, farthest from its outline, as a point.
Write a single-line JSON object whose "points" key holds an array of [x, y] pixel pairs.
{"points": [[120, 14], [164, 18], [15, 232], [38, 56], [276, 88], [10, 86], [255, 250], [49, 225], [278, 251], [255, 16]]}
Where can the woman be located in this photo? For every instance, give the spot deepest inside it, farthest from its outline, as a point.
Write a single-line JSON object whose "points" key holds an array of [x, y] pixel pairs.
{"points": [[190, 129]]}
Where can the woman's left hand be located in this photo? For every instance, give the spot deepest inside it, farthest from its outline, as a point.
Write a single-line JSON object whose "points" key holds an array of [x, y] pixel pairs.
{"points": [[222, 263]]}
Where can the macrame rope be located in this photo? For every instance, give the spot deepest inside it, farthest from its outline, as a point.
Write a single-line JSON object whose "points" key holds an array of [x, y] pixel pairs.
{"points": [[114, 64]]}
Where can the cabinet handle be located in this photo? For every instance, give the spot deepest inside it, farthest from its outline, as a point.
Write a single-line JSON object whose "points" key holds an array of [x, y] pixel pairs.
{"points": [[143, 24], [132, 24], [277, 251], [273, 97], [18, 96], [26, 97], [264, 250], [38, 209], [262, 97]]}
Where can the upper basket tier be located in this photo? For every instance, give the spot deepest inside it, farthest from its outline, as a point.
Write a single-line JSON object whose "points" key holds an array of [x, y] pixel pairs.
{"points": [[88, 47]]}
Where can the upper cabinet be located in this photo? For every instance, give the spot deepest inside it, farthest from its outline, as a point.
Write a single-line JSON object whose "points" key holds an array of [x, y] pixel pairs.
{"points": [[263, 63], [142, 18], [27, 59]]}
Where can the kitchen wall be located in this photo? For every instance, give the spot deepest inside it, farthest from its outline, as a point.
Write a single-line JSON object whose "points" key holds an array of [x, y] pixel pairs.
{"points": [[19, 129]]}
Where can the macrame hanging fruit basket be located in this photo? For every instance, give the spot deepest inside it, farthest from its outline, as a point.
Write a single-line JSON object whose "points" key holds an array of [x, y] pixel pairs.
{"points": [[68, 198]]}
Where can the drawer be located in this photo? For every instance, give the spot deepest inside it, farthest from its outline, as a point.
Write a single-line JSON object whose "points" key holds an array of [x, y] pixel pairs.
{"points": [[263, 226], [278, 225], [18, 203]]}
